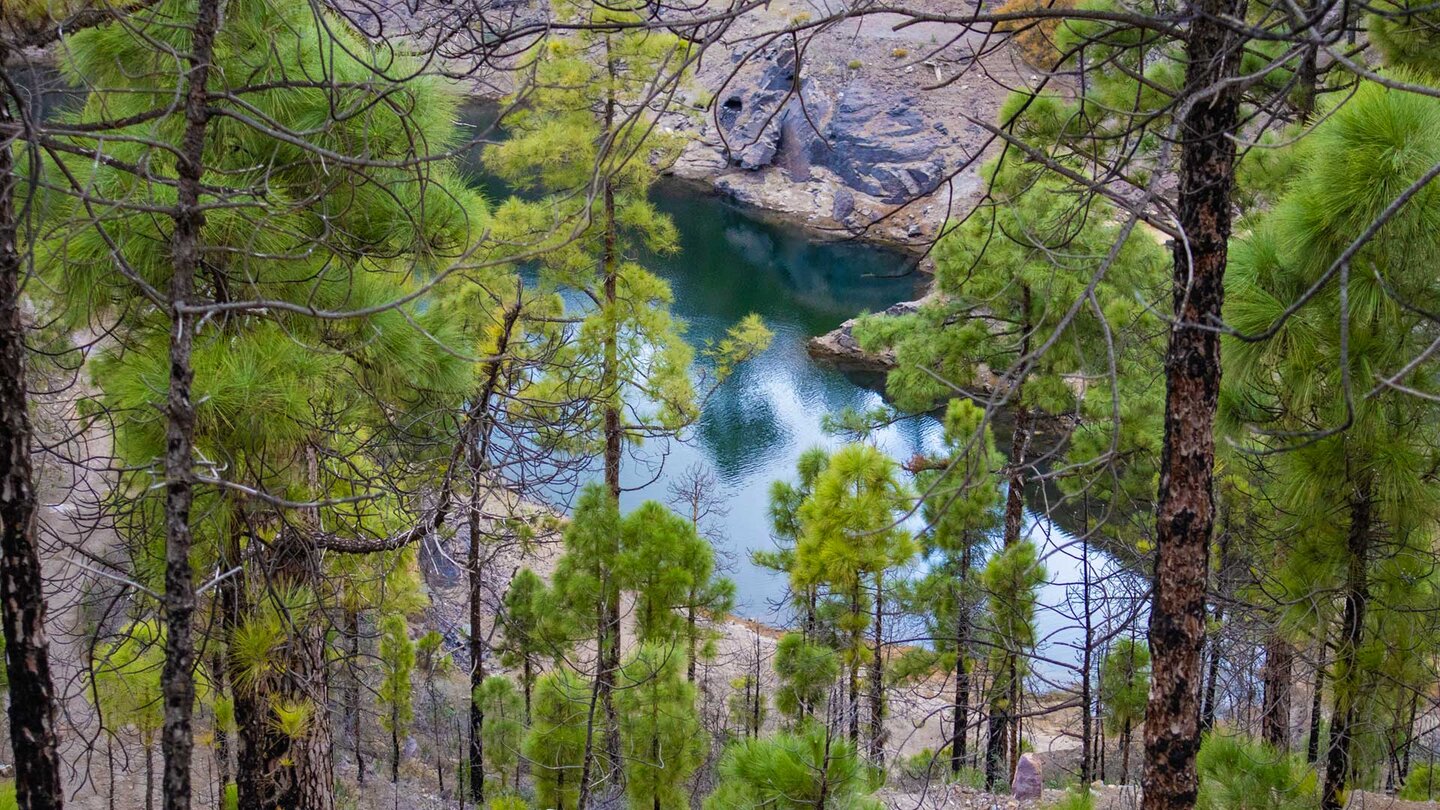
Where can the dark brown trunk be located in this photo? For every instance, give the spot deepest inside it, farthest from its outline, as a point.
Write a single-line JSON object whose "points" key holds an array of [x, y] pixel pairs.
{"points": [[1185, 513], [995, 744], [608, 645], [1338, 764], [33, 736], [877, 678], [1312, 744], [477, 640], [854, 686], [690, 629], [249, 721], [222, 735], [1125, 753], [1275, 716], [352, 693], [1086, 712], [958, 751], [178, 676], [298, 772]]}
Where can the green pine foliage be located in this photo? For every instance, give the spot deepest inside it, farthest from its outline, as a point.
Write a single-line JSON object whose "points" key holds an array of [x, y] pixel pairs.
{"points": [[503, 729], [555, 744], [1241, 774], [396, 693], [792, 771], [807, 671], [660, 732]]}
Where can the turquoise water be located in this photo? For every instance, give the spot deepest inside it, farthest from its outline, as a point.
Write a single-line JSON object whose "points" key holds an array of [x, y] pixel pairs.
{"points": [[756, 424]]}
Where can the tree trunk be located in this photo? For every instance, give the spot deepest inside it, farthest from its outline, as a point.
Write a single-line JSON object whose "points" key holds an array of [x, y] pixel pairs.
{"points": [[1125, 743], [1312, 745], [1275, 717], [1347, 672], [854, 696], [149, 774], [1185, 513], [33, 737], [298, 772], [352, 693], [962, 668], [178, 676], [222, 735], [249, 720], [995, 744], [1086, 715], [477, 642], [877, 678]]}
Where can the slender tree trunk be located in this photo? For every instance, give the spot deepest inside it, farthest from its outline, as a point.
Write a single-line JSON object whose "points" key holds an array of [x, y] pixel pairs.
{"points": [[149, 773], [1086, 715], [352, 693], [1125, 745], [1312, 745], [1338, 764], [877, 678], [478, 433], [33, 737], [1275, 717], [958, 751], [249, 721], [854, 696], [1185, 512], [477, 641], [995, 744], [178, 677], [222, 735], [690, 638], [394, 745], [1212, 675]]}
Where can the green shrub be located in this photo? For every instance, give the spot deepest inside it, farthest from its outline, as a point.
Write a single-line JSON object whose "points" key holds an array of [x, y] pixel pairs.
{"points": [[7, 795], [230, 801], [855, 64], [1422, 785], [508, 803], [1078, 799], [1237, 773]]}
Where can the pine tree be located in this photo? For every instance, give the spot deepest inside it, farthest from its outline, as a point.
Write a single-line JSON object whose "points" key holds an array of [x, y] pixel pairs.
{"points": [[806, 671], [504, 729], [396, 693], [659, 728], [561, 733], [1124, 686], [811, 768], [1011, 580], [525, 646], [329, 221], [127, 688], [851, 539], [1354, 469], [785, 526], [960, 500]]}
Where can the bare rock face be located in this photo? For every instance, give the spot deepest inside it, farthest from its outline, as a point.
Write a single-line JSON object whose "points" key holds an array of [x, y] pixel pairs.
{"points": [[1027, 784], [876, 142]]}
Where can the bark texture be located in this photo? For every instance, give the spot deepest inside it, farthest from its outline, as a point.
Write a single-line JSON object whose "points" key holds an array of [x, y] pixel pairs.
{"points": [[178, 677], [1185, 513], [22, 599], [1338, 764]]}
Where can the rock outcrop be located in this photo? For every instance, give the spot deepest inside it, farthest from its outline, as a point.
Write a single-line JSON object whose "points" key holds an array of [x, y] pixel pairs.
{"points": [[839, 346]]}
